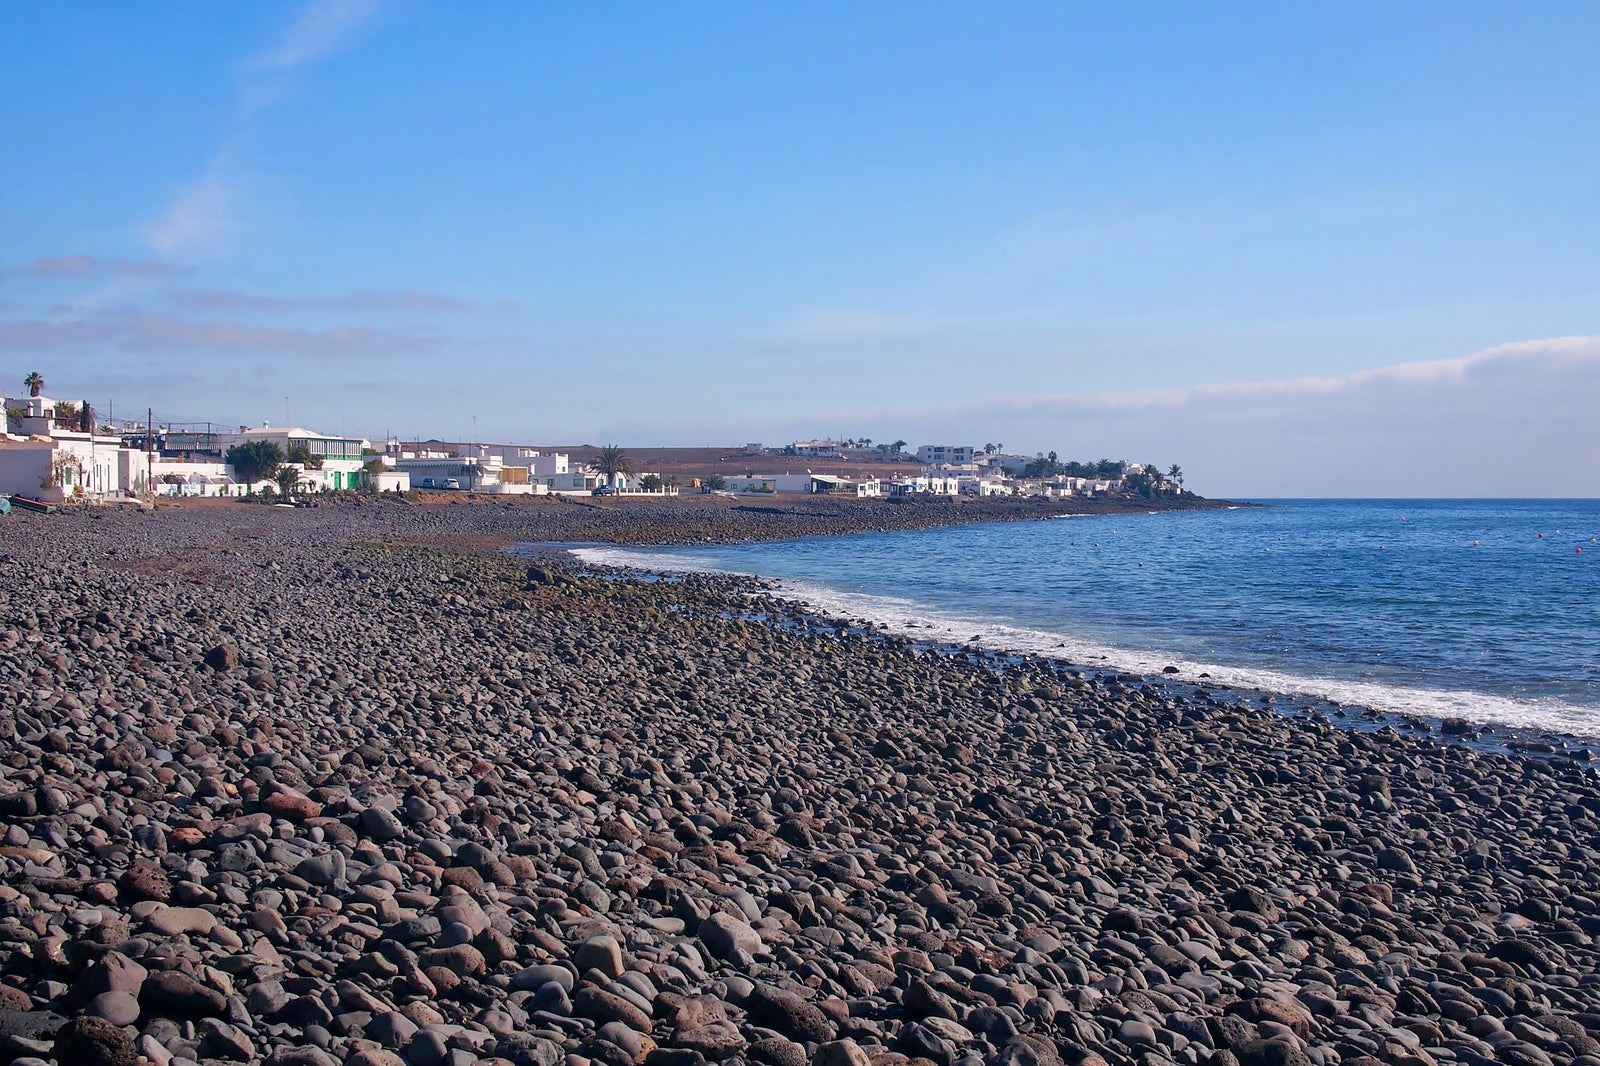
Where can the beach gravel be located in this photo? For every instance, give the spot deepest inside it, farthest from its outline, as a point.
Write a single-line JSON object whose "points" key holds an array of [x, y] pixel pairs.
{"points": [[350, 784]]}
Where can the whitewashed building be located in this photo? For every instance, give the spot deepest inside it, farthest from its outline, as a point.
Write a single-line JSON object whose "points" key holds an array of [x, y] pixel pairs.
{"points": [[341, 459], [954, 454], [45, 455], [816, 449], [185, 477]]}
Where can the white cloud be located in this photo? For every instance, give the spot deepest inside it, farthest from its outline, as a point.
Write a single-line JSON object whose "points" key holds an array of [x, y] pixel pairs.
{"points": [[322, 28], [1511, 420], [204, 216], [201, 216], [1578, 349]]}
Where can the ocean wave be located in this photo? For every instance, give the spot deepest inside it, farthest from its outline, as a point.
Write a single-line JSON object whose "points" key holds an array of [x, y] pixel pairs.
{"points": [[918, 621]]}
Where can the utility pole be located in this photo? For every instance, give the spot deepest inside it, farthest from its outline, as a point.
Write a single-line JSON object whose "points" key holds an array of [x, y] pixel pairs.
{"points": [[94, 468], [149, 450]]}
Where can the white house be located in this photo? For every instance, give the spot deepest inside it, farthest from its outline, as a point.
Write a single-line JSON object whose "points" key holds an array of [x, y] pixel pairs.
{"points": [[749, 483], [972, 485], [185, 477], [926, 485], [556, 472], [956, 454], [1011, 464], [340, 457], [816, 449], [809, 483], [391, 480], [48, 457], [1062, 485], [469, 473]]}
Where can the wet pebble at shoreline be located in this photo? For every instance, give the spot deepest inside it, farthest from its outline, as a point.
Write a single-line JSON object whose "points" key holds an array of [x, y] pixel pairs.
{"points": [[271, 796]]}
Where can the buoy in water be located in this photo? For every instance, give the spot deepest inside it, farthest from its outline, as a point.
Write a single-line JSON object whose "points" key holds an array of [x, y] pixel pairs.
{"points": [[1541, 536]]}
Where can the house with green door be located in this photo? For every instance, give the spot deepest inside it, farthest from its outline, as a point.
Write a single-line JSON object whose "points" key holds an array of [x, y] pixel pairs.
{"points": [[335, 462]]}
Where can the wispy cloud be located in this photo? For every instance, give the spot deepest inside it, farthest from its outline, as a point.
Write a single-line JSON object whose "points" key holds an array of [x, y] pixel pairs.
{"points": [[144, 333], [321, 29], [1510, 420], [205, 300], [203, 217], [200, 217], [1577, 349], [89, 266]]}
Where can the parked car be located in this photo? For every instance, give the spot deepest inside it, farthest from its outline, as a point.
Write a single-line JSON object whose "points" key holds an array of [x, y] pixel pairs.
{"points": [[452, 483], [604, 490], [429, 483]]}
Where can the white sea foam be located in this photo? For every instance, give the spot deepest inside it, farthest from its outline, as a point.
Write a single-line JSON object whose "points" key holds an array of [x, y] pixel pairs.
{"points": [[920, 622]]}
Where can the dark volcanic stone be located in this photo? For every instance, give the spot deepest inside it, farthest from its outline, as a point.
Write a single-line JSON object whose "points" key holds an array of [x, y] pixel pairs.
{"points": [[602, 1006], [177, 993], [222, 657], [788, 1014], [86, 1041], [144, 880], [1270, 1053], [775, 1051]]}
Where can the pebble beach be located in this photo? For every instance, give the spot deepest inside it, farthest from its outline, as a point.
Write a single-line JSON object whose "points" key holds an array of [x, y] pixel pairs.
{"points": [[354, 784]]}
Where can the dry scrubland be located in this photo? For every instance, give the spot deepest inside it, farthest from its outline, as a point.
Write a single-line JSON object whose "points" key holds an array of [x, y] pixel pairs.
{"points": [[345, 785]]}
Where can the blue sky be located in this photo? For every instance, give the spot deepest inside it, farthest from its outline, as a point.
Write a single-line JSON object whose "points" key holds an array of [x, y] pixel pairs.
{"points": [[1204, 234]]}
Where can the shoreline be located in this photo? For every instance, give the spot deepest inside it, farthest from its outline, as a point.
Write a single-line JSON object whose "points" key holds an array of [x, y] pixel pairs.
{"points": [[1505, 738], [294, 787]]}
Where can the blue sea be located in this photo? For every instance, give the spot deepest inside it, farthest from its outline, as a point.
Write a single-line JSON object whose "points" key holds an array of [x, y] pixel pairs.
{"points": [[1483, 609]]}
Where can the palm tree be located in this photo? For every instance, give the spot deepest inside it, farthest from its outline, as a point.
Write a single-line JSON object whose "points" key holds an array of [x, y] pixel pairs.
{"points": [[34, 383], [302, 454], [898, 446], [288, 480], [1175, 475], [611, 460]]}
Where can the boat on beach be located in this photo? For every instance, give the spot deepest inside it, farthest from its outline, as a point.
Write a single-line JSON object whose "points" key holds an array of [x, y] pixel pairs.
{"points": [[28, 503]]}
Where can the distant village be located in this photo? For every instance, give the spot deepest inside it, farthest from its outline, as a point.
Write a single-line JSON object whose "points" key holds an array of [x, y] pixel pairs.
{"points": [[58, 451]]}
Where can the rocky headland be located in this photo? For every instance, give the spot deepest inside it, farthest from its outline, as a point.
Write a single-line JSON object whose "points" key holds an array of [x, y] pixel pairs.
{"points": [[352, 785]]}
